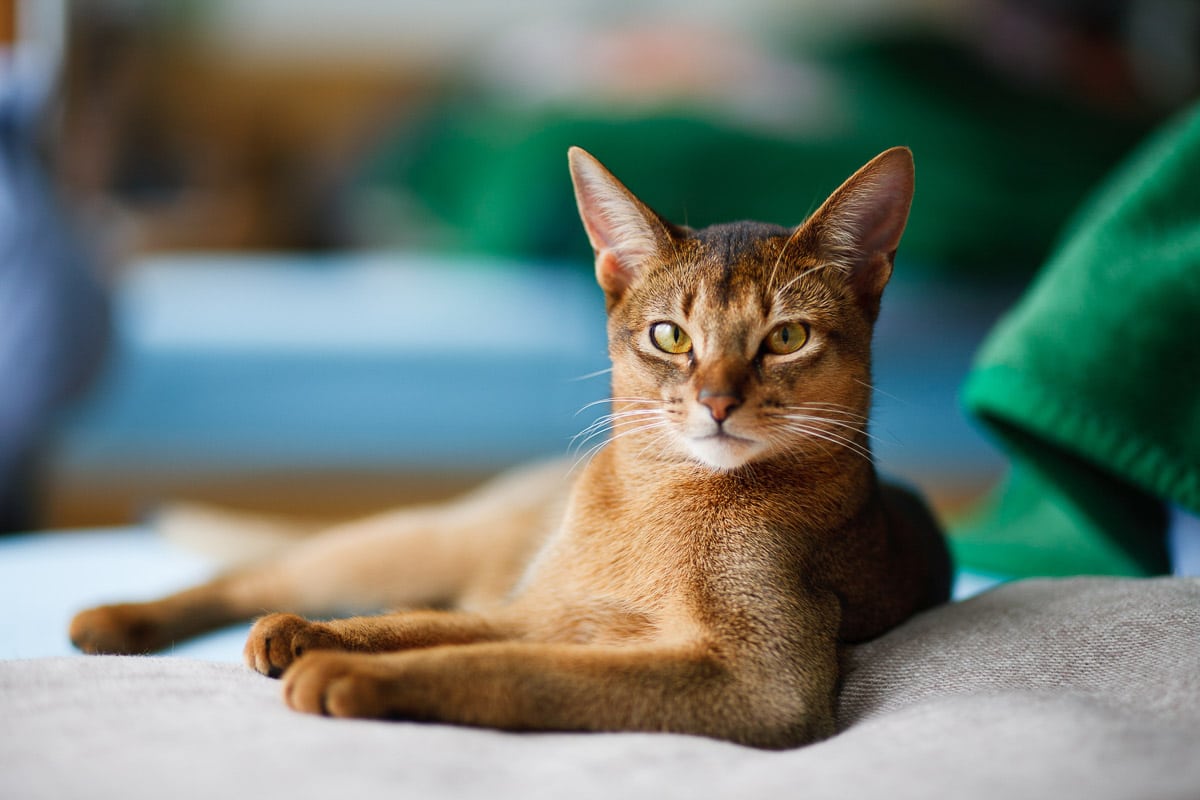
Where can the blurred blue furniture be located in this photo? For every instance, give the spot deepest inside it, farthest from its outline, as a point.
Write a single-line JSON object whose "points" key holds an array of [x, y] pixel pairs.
{"points": [[379, 361]]}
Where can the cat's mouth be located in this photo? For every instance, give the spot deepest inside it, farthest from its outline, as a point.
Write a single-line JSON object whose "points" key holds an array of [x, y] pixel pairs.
{"points": [[723, 450], [722, 435]]}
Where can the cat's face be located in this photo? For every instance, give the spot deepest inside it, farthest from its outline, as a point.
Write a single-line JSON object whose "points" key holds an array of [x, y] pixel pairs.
{"points": [[744, 342]]}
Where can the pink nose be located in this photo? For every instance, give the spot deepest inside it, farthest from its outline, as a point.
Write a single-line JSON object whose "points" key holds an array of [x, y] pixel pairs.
{"points": [[719, 405]]}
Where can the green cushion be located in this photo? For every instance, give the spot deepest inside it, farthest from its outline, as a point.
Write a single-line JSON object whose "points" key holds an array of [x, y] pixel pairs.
{"points": [[1092, 383]]}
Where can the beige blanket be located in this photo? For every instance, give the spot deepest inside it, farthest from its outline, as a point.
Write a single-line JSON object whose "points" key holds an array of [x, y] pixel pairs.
{"points": [[1085, 688]]}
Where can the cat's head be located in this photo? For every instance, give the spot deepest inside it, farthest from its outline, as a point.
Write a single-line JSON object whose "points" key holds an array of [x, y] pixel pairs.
{"points": [[743, 342]]}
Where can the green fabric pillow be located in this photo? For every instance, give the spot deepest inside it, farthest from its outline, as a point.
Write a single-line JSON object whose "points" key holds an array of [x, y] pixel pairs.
{"points": [[1092, 383], [479, 174]]}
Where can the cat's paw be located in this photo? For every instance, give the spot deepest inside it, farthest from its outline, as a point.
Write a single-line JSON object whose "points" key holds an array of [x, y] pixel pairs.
{"points": [[277, 640], [337, 685], [123, 629]]}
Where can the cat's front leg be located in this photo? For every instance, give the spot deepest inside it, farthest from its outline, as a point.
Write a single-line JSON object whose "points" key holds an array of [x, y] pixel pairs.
{"points": [[534, 686], [277, 640]]}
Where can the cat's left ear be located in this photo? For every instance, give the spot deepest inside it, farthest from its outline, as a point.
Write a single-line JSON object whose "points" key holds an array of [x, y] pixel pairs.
{"points": [[860, 225], [623, 230]]}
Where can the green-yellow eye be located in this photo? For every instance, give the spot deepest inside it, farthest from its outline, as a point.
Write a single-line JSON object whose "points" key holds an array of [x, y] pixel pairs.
{"points": [[787, 338], [670, 338]]}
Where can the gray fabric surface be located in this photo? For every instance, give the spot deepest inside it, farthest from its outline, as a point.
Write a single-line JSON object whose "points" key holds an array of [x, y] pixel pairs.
{"points": [[1074, 688]]}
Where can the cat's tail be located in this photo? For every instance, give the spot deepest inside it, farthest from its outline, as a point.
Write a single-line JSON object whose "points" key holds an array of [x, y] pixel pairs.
{"points": [[228, 537]]}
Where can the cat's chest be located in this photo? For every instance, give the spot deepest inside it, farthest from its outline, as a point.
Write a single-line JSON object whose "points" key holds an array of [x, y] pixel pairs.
{"points": [[635, 572]]}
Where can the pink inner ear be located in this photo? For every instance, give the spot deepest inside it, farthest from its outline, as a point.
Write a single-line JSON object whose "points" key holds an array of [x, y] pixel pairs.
{"points": [[883, 215], [863, 221], [594, 225], [621, 230], [611, 274], [865, 217]]}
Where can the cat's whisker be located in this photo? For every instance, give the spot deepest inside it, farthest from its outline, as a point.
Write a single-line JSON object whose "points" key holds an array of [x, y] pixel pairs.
{"points": [[596, 448], [809, 420], [606, 422], [642, 425], [598, 424], [776, 438], [586, 457], [587, 434], [803, 275], [841, 441], [782, 251], [837, 442], [842, 412], [824, 404], [640, 401], [832, 438], [819, 423], [604, 425], [832, 414], [848, 417], [877, 390], [613, 421], [857, 428], [594, 403], [591, 375], [839, 414], [628, 412]]}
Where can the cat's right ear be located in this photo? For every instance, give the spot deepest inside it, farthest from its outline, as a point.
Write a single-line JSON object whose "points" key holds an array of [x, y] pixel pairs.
{"points": [[861, 223], [624, 232]]}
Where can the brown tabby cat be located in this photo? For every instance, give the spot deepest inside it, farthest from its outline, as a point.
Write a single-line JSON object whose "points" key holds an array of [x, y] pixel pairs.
{"points": [[698, 576]]}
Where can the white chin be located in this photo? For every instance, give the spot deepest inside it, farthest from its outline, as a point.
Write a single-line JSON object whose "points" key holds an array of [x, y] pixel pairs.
{"points": [[723, 453]]}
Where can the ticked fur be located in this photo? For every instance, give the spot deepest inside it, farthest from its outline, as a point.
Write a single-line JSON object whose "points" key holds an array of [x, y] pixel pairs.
{"points": [[701, 570]]}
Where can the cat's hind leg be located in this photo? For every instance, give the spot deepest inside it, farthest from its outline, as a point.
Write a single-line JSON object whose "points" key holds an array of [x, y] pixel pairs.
{"points": [[465, 553]]}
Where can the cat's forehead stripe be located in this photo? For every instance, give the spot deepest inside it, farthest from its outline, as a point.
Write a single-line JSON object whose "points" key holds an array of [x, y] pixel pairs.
{"points": [[735, 252], [687, 301]]}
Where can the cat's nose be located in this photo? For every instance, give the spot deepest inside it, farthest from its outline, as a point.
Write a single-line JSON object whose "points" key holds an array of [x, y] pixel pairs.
{"points": [[720, 404]]}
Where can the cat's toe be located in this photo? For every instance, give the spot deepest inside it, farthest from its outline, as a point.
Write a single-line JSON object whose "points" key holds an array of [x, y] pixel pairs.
{"points": [[124, 629], [277, 640], [334, 684]]}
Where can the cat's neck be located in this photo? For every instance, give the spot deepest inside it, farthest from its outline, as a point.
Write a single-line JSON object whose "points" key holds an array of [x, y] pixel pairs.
{"points": [[826, 486]]}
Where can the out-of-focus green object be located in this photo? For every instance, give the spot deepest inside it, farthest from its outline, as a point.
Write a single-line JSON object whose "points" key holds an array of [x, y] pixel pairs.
{"points": [[999, 169], [1092, 383]]}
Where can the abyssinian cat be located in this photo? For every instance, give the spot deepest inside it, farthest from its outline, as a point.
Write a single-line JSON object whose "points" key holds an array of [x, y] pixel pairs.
{"points": [[698, 575]]}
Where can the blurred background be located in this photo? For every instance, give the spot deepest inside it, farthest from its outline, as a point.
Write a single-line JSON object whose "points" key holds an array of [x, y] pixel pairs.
{"points": [[323, 258]]}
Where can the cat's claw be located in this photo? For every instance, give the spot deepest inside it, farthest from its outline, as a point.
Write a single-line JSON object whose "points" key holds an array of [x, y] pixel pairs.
{"points": [[277, 640]]}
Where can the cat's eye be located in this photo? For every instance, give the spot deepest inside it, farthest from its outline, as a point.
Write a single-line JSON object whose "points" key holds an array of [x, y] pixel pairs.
{"points": [[786, 338], [670, 338]]}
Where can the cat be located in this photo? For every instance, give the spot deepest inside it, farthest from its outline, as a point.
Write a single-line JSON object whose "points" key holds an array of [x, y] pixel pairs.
{"points": [[698, 575]]}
